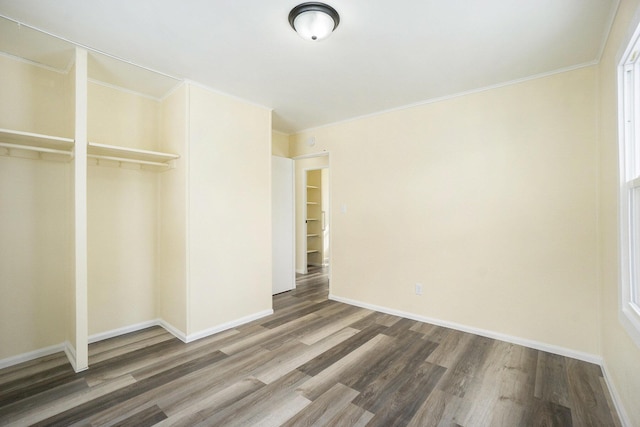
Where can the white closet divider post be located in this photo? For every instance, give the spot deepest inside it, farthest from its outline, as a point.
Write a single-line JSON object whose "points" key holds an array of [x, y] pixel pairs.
{"points": [[81, 361]]}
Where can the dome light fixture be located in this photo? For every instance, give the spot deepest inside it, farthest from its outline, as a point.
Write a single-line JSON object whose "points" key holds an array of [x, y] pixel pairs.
{"points": [[314, 21]]}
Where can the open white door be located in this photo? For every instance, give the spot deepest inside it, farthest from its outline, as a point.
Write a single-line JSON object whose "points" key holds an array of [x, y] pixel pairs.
{"points": [[283, 224]]}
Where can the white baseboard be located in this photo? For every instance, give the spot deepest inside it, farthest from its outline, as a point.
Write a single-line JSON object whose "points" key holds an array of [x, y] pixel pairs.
{"points": [[615, 396], [26, 357], [173, 330], [70, 351], [587, 357], [228, 325], [124, 330], [177, 332]]}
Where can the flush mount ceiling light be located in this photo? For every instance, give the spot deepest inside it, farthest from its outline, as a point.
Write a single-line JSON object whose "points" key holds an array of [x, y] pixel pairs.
{"points": [[314, 21]]}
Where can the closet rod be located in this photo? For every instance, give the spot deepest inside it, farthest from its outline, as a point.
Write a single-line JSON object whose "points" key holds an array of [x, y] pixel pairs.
{"points": [[123, 160], [32, 148]]}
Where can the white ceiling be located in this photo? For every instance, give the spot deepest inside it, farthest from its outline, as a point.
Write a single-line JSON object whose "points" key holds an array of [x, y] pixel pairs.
{"points": [[384, 55]]}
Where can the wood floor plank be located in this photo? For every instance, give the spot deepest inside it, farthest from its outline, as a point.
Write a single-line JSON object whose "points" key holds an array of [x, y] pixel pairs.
{"points": [[452, 344], [384, 363], [288, 361], [176, 357], [174, 394], [401, 327], [438, 409], [313, 362], [126, 362], [256, 407], [17, 390], [34, 414], [325, 379], [611, 404], [504, 386], [321, 362], [298, 327], [403, 366], [547, 414], [266, 334], [324, 408], [334, 326], [589, 406], [551, 379], [144, 418], [285, 412], [352, 415], [32, 367], [107, 401], [469, 360], [198, 409], [116, 346], [371, 319], [296, 314], [44, 398], [400, 406]]}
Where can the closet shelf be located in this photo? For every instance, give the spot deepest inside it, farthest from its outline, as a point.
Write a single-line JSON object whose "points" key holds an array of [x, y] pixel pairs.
{"points": [[313, 187], [313, 235], [313, 203], [312, 219], [313, 251], [130, 155], [49, 144], [13, 139]]}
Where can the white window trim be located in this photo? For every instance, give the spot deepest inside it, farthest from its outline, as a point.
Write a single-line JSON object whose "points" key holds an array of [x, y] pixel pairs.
{"points": [[629, 165]]}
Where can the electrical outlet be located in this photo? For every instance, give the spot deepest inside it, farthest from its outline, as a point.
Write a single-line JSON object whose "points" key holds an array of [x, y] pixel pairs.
{"points": [[418, 289]]}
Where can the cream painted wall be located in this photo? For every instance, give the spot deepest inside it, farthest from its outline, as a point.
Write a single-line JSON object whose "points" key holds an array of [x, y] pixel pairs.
{"points": [[488, 200], [33, 99], [621, 355], [209, 217], [229, 231], [279, 144], [301, 166], [123, 118], [172, 248], [122, 212], [34, 254], [35, 246]]}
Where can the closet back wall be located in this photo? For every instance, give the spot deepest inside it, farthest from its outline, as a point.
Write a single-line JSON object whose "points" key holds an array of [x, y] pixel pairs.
{"points": [[122, 212], [35, 204]]}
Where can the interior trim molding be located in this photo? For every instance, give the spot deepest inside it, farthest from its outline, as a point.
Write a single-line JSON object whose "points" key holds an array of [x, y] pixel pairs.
{"points": [[615, 396], [228, 325], [562, 351], [124, 330], [586, 357], [31, 355], [449, 97], [172, 330], [70, 351]]}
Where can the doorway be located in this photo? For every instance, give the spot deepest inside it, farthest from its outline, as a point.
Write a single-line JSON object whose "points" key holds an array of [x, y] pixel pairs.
{"points": [[313, 219], [316, 219]]}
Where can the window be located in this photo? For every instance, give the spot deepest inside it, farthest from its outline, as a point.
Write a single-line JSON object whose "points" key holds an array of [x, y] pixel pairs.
{"points": [[629, 196]]}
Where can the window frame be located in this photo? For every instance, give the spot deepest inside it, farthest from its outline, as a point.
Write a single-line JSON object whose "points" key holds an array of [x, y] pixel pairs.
{"points": [[628, 202]]}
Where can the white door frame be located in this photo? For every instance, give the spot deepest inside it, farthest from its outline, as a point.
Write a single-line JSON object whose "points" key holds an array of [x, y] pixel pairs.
{"points": [[304, 203]]}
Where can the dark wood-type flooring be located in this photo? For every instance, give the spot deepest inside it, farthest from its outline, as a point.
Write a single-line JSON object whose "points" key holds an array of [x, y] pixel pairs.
{"points": [[314, 362]]}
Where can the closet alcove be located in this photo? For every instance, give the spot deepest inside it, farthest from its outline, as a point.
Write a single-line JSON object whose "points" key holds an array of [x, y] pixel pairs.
{"points": [[106, 226], [54, 95]]}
